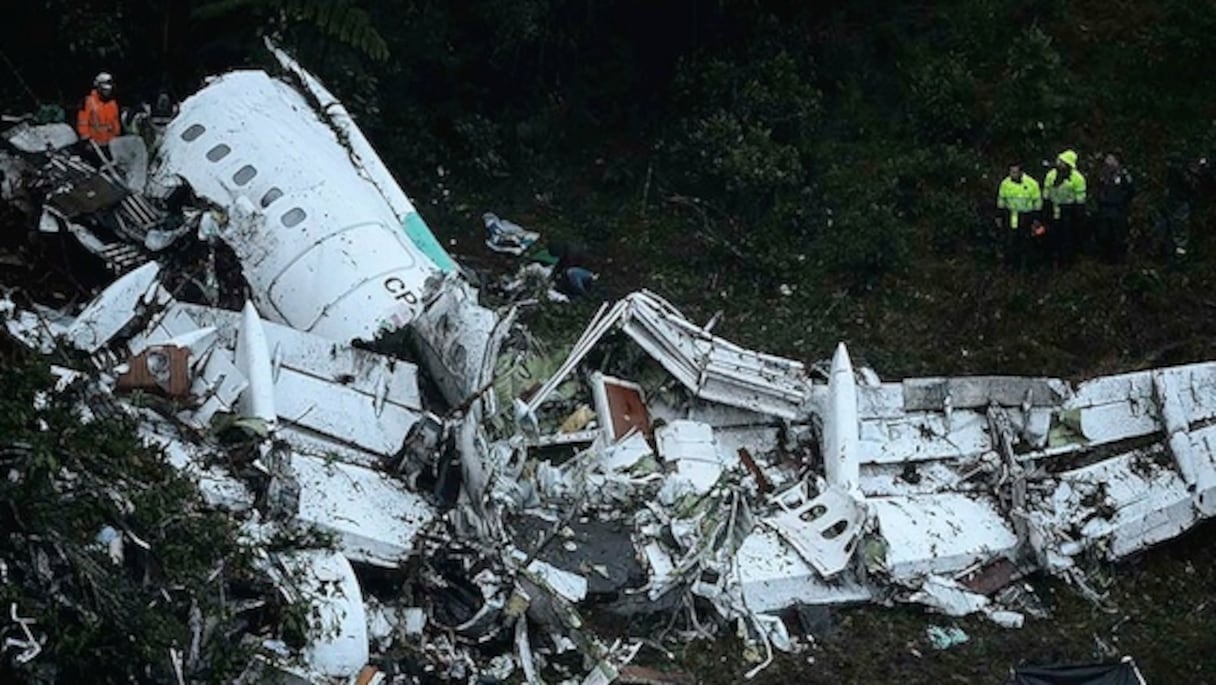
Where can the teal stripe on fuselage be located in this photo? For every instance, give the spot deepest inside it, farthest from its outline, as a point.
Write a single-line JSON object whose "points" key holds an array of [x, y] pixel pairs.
{"points": [[420, 234]]}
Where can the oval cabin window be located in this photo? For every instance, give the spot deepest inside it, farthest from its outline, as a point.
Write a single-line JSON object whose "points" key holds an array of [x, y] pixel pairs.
{"points": [[218, 152], [244, 175], [270, 196], [293, 217]]}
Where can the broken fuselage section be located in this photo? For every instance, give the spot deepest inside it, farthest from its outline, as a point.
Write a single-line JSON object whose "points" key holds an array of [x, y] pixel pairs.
{"points": [[326, 239]]}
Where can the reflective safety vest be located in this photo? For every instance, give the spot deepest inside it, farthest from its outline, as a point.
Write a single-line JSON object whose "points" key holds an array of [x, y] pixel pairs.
{"points": [[98, 119], [1070, 191], [1019, 197]]}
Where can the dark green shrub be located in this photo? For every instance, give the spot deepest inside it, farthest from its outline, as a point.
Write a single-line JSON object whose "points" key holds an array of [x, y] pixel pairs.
{"points": [[866, 240], [1036, 96], [479, 144], [942, 97], [725, 153], [864, 235], [749, 126]]}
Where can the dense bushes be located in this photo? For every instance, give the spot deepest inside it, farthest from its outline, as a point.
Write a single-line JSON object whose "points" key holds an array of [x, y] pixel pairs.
{"points": [[942, 95], [864, 134], [746, 129]]}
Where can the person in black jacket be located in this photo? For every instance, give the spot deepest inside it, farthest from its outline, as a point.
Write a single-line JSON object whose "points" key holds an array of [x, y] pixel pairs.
{"points": [[1115, 192], [1190, 184]]}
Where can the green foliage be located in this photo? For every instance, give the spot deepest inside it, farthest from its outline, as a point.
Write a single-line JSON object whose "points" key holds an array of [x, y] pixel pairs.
{"points": [[1036, 96], [941, 190], [1183, 36], [517, 23], [950, 220], [865, 235], [723, 153], [294, 622], [90, 31], [773, 92], [105, 622], [942, 93], [744, 147], [340, 20], [1145, 283], [481, 145]]}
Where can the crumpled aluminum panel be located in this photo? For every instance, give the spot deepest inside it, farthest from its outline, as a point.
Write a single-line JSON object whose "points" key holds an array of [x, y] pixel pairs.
{"points": [[941, 534]]}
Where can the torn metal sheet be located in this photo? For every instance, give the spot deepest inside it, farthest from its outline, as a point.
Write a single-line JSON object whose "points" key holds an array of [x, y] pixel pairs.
{"points": [[459, 340], [1124, 406], [374, 517], [328, 397], [40, 138], [949, 597], [217, 387], [941, 533], [825, 529], [571, 586], [116, 307], [1123, 504], [624, 454], [338, 647], [37, 329], [924, 436], [690, 448], [218, 488], [384, 379], [711, 367], [772, 576], [977, 392]]}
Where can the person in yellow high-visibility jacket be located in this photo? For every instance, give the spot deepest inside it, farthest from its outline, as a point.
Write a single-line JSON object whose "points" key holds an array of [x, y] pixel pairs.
{"points": [[1064, 188], [1018, 202]]}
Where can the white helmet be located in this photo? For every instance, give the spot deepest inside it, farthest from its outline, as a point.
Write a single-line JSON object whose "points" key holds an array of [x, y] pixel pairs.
{"points": [[103, 79]]}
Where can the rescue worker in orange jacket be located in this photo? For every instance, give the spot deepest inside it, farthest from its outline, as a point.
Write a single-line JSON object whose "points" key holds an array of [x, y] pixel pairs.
{"points": [[98, 119]]}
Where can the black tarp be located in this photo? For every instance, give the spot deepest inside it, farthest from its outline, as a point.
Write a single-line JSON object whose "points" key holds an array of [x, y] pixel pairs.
{"points": [[1120, 673]]}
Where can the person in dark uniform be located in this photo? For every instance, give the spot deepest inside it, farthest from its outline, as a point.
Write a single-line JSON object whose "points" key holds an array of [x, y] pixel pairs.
{"points": [[1115, 192]]}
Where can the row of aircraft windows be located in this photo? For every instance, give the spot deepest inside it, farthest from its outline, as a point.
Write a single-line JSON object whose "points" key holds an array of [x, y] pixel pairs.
{"points": [[291, 218]]}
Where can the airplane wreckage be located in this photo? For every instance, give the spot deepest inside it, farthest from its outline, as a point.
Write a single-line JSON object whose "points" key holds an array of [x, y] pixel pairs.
{"points": [[655, 469]]}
